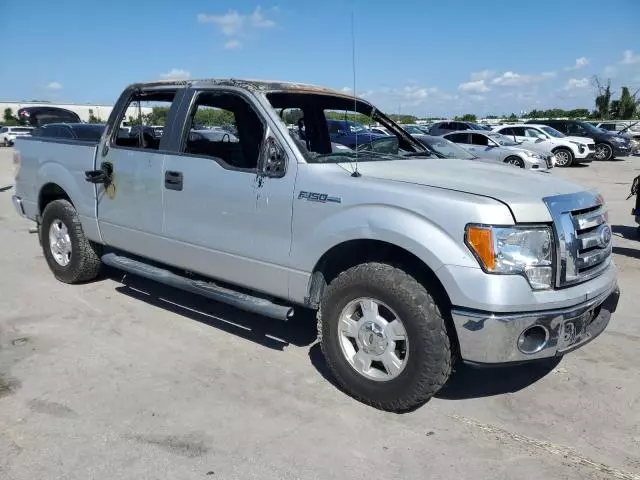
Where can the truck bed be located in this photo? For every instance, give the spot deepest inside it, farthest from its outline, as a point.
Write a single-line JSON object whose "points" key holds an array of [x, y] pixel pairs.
{"points": [[56, 162]]}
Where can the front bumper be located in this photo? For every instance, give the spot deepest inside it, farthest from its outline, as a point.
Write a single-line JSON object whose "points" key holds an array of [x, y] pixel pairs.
{"points": [[622, 150], [493, 338], [589, 158]]}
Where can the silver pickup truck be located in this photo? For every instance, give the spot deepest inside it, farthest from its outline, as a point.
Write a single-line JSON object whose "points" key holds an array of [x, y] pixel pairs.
{"points": [[411, 261]]}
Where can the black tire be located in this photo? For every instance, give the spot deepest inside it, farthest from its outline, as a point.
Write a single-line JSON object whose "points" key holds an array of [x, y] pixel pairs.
{"points": [[564, 157], [85, 263], [514, 160], [604, 152], [428, 365]]}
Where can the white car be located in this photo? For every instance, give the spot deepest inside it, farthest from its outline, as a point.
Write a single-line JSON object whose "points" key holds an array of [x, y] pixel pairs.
{"points": [[567, 150], [9, 134]]}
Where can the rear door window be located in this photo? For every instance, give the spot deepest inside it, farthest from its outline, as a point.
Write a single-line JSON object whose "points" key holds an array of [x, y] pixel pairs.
{"points": [[458, 137]]}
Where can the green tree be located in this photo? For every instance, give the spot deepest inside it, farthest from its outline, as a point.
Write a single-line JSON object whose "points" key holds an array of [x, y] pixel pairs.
{"points": [[626, 105], [578, 113], [467, 117], [512, 118], [93, 118], [603, 97], [8, 118]]}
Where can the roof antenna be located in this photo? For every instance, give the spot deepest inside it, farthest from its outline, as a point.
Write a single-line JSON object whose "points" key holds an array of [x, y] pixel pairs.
{"points": [[355, 173]]}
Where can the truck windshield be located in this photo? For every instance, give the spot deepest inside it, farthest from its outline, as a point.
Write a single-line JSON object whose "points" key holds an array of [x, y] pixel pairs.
{"points": [[316, 122]]}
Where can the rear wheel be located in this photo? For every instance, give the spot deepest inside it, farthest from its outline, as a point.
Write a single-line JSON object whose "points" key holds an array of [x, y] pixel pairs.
{"points": [[603, 151], [564, 157], [383, 337], [71, 256], [513, 160]]}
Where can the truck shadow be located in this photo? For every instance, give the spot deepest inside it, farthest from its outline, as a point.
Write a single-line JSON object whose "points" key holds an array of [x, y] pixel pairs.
{"points": [[625, 231], [274, 334], [466, 382]]}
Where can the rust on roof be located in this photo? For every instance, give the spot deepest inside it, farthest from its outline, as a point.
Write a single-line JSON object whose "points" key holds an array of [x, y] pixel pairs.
{"points": [[249, 84]]}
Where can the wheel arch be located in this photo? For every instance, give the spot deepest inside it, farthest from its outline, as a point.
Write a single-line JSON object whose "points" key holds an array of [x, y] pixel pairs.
{"points": [[350, 253], [48, 193]]}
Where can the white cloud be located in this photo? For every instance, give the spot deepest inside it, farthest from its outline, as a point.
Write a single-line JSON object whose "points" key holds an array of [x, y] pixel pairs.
{"points": [[574, 83], [483, 75], [232, 44], [474, 86], [579, 63], [176, 74], [345, 89], [238, 25], [54, 86], [231, 23], [630, 58], [258, 20], [514, 79]]}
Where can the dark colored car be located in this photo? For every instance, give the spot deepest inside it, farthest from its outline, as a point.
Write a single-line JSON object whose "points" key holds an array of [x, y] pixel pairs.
{"points": [[349, 133], [608, 144], [88, 132], [440, 128], [42, 115]]}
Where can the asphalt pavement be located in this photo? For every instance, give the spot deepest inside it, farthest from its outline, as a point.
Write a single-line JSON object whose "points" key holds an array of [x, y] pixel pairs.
{"points": [[125, 379]]}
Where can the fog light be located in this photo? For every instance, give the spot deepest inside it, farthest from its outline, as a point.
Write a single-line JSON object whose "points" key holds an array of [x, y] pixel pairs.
{"points": [[533, 339], [539, 277]]}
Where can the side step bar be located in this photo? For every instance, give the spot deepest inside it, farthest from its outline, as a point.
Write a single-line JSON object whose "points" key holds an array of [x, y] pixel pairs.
{"points": [[243, 301]]}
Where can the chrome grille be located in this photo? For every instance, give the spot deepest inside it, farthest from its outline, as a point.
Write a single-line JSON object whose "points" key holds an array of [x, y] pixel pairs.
{"points": [[583, 236], [549, 160]]}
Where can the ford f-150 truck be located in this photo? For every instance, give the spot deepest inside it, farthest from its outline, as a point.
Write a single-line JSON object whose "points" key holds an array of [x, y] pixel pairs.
{"points": [[410, 261]]}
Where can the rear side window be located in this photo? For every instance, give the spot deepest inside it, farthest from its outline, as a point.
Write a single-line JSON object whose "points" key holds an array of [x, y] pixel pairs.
{"points": [[458, 137], [507, 131], [477, 139], [4, 130]]}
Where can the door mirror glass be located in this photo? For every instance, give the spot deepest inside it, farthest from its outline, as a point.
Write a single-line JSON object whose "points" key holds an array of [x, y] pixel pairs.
{"points": [[275, 160]]}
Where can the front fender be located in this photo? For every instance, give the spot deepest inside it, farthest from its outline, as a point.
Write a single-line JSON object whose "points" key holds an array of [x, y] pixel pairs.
{"points": [[395, 225]]}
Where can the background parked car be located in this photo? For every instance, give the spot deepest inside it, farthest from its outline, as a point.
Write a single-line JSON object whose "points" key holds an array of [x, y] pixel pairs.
{"points": [[379, 130], [90, 132], [349, 133], [38, 116], [567, 150], [483, 143], [9, 134], [608, 144], [440, 128]]}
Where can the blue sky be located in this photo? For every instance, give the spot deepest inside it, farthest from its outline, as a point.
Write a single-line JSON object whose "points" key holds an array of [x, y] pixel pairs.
{"points": [[425, 58]]}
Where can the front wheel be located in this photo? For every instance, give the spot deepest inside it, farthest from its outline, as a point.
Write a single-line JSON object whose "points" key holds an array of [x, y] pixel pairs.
{"points": [[564, 157], [71, 256], [513, 160], [603, 151], [383, 337]]}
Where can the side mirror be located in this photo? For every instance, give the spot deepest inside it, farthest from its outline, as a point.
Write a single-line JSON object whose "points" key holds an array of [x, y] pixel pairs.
{"points": [[275, 160]]}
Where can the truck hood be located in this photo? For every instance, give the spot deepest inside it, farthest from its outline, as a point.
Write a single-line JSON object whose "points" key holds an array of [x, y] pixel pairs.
{"points": [[521, 190]]}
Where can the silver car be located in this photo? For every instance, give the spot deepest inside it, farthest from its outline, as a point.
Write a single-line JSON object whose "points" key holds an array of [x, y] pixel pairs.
{"points": [[500, 148]]}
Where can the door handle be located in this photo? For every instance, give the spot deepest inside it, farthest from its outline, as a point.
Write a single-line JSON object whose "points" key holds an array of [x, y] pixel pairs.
{"points": [[173, 180], [100, 176]]}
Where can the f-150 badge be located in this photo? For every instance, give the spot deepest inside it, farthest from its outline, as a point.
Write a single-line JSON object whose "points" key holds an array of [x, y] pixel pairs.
{"points": [[318, 197]]}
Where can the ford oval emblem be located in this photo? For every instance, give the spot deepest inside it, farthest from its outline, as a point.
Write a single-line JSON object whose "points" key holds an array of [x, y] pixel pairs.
{"points": [[605, 235]]}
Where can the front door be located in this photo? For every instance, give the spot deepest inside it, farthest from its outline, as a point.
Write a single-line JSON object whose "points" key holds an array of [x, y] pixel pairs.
{"points": [[130, 205], [224, 220]]}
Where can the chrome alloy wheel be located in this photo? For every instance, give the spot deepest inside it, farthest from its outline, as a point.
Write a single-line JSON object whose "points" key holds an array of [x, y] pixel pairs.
{"points": [[60, 242], [373, 339]]}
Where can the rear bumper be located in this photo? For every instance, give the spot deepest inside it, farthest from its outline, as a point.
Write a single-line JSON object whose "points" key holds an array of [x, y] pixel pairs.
{"points": [[18, 205], [496, 338]]}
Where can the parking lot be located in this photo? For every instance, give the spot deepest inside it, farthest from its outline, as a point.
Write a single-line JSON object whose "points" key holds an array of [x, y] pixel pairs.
{"points": [[123, 378]]}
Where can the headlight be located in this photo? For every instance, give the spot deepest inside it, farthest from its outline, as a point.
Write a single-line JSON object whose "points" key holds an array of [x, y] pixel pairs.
{"points": [[535, 155], [619, 140], [513, 250]]}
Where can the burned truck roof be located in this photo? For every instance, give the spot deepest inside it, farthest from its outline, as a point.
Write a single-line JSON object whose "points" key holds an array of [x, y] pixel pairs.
{"points": [[249, 84]]}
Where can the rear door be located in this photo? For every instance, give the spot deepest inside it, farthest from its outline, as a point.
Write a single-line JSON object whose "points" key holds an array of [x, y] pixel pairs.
{"points": [[130, 208], [483, 148]]}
